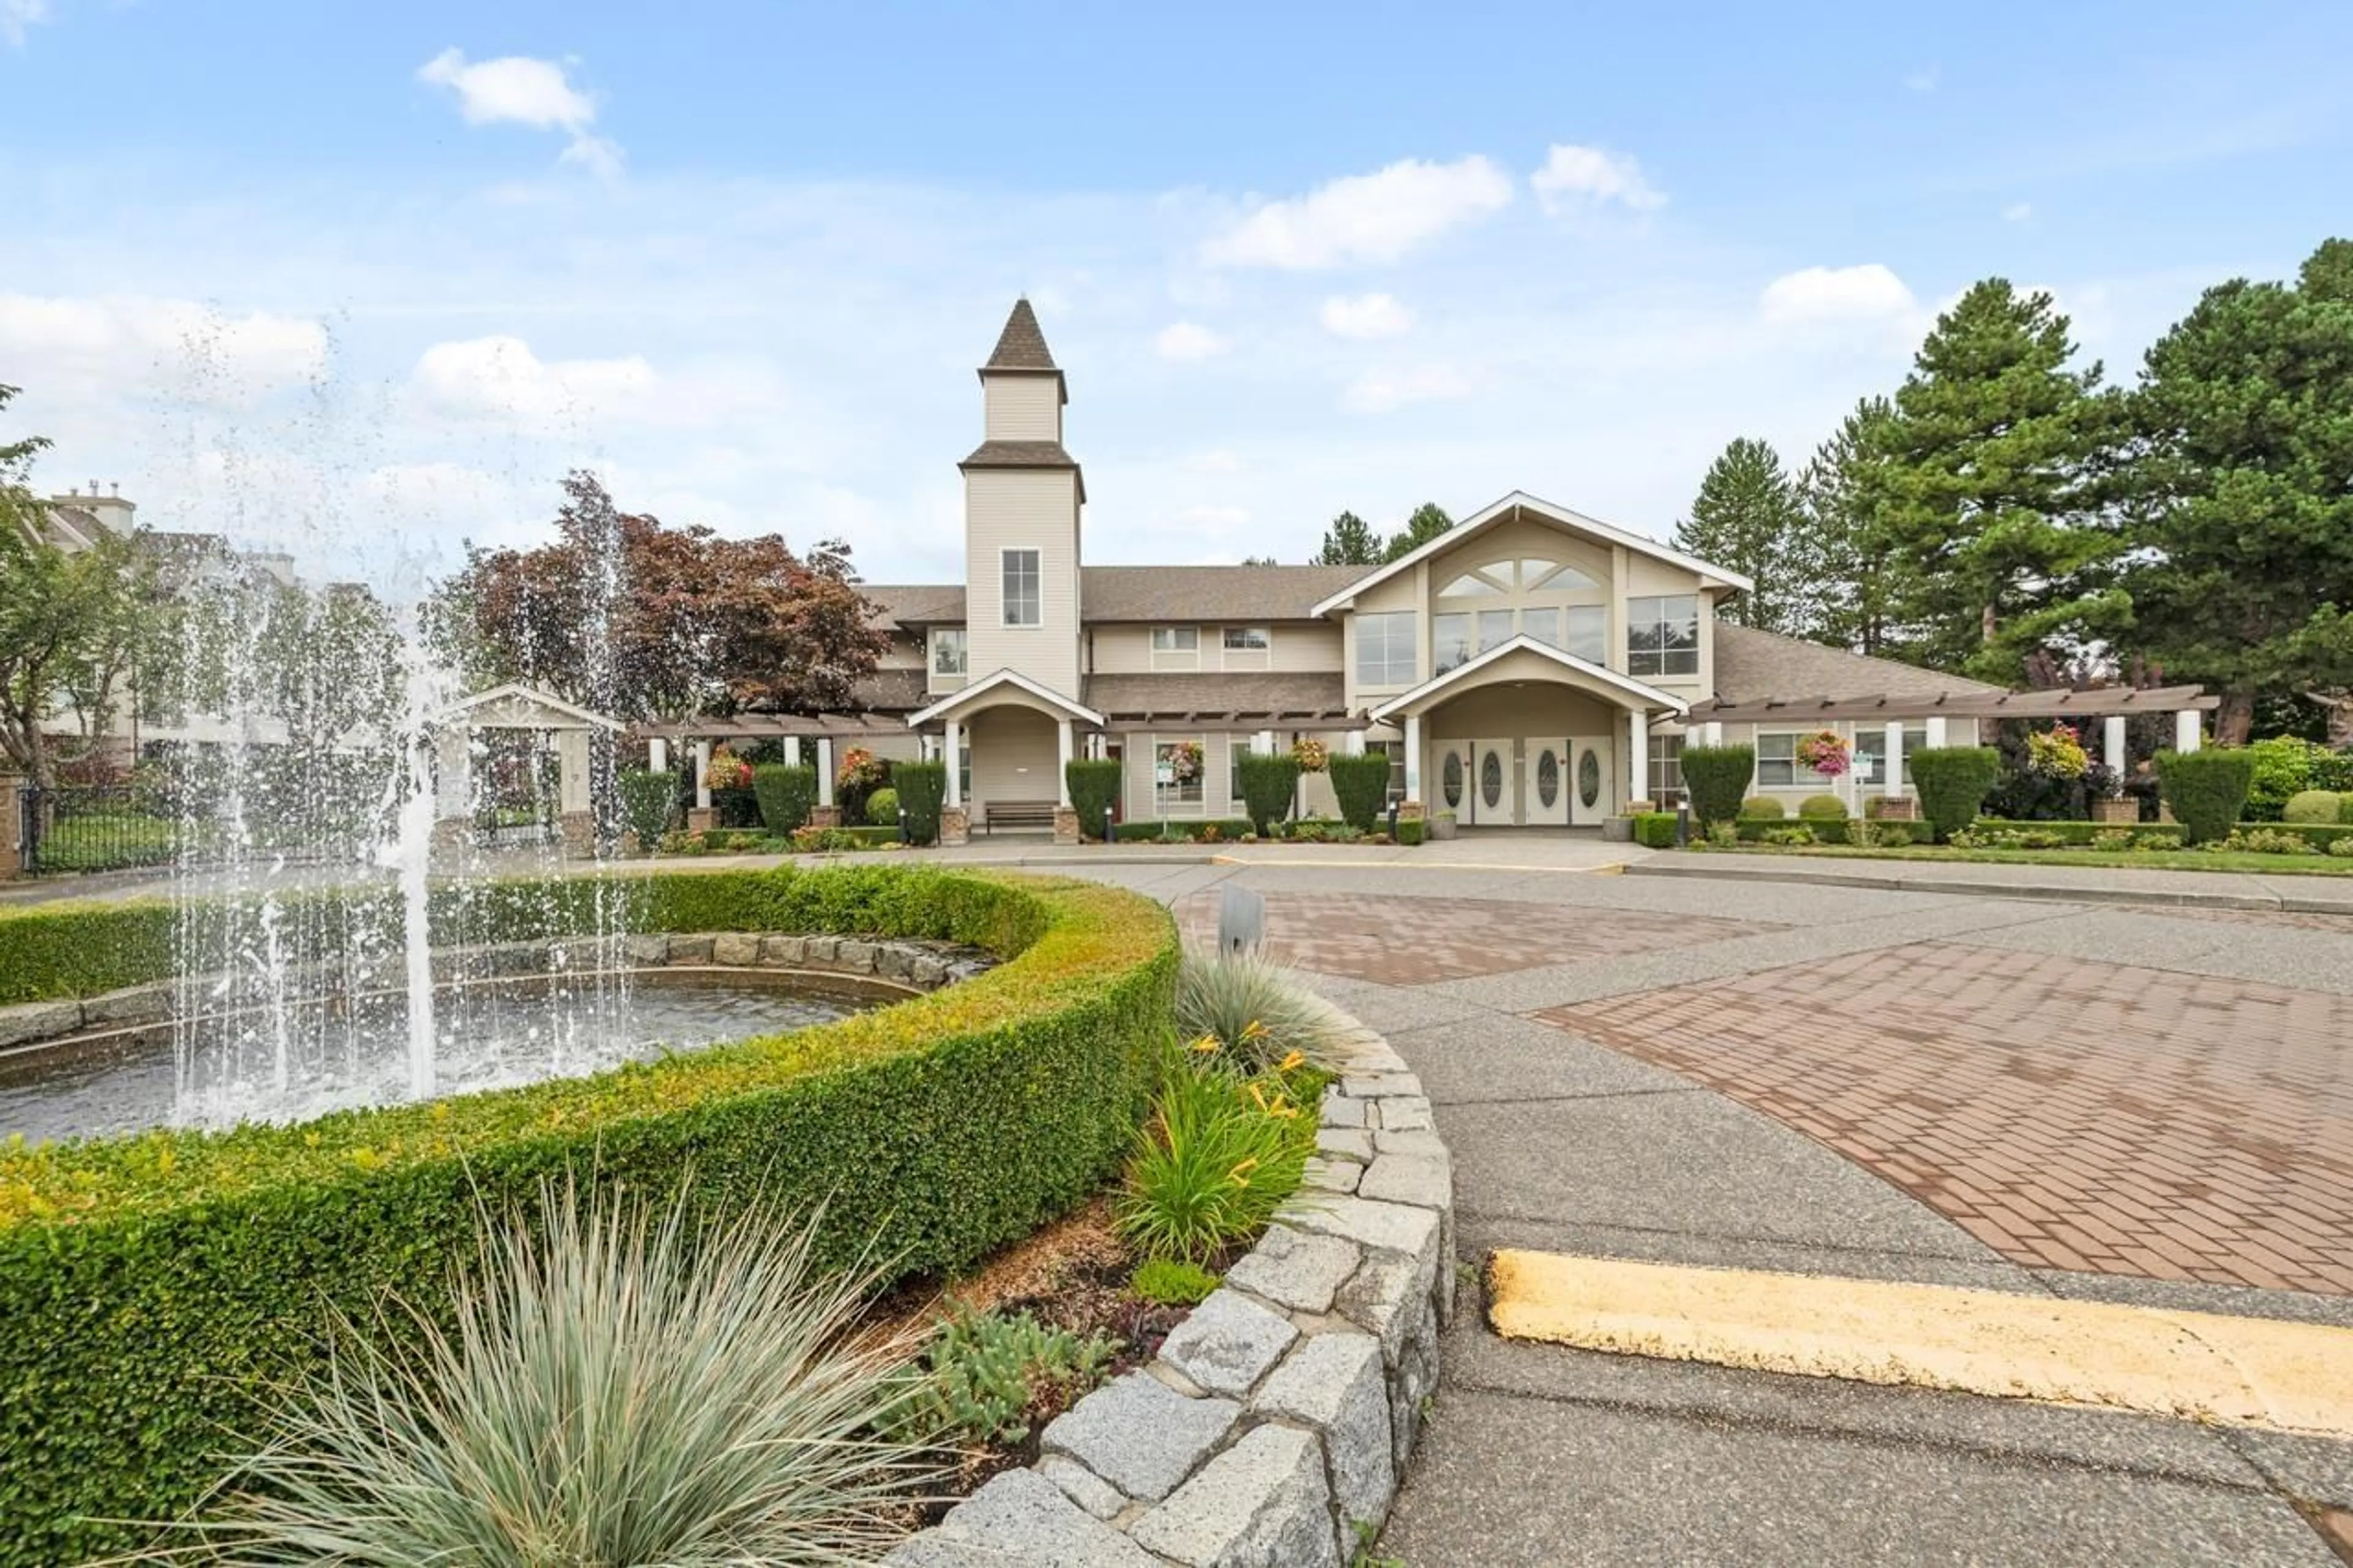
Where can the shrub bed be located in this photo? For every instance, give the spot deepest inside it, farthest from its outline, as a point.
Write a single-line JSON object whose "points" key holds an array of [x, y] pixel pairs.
{"points": [[1716, 776], [1760, 830], [786, 794], [1361, 786], [2208, 789], [1655, 829], [1094, 783], [1270, 786], [151, 1287], [1197, 830], [1953, 783]]}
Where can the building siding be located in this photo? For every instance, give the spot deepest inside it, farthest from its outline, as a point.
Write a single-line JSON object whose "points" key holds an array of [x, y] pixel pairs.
{"points": [[1021, 508], [1021, 407]]}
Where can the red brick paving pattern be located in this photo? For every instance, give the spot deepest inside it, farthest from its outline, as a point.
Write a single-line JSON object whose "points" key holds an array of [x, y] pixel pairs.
{"points": [[2069, 1114], [1414, 941]]}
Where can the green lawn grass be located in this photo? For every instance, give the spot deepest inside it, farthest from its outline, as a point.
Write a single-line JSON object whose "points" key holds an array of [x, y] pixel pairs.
{"points": [[2128, 859]]}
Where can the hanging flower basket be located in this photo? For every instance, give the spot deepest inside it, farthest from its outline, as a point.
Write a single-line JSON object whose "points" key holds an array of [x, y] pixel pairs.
{"points": [[859, 768], [1825, 752], [2058, 753], [1311, 755], [726, 771], [1184, 761]]}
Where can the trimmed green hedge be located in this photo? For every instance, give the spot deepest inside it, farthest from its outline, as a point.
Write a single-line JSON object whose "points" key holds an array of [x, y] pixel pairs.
{"points": [[1953, 783], [1094, 786], [151, 1285], [1753, 829], [2207, 789], [1222, 829], [1716, 777], [1655, 829], [923, 790], [1764, 807], [1361, 785], [786, 794], [1269, 788], [1411, 831], [648, 802], [2320, 835], [1822, 808]]}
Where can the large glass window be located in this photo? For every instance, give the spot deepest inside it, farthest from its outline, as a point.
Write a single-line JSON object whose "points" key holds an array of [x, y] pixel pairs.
{"points": [[1667, 771], [1494, 628], [1776, 760], [1871, 751], [1663, 635], [1588, 633], [1022, 603], [1543, 625], [1450, 642], [1177, 767], [948, 655], [1385, 650]]}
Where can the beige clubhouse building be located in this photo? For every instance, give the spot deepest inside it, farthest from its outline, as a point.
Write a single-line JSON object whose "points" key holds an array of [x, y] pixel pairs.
{"points": [[1532, 667]]}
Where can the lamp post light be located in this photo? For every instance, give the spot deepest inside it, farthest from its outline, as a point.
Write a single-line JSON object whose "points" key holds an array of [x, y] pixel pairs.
{"points": [[1106, 825]]}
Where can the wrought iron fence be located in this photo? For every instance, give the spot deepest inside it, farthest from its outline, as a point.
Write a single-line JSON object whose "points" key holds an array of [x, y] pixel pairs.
{"points": [[94, 827]]}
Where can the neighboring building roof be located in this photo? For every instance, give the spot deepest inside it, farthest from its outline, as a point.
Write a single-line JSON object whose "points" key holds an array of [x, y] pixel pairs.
{"points": [[1320, 694], [889, 692], [915, 604], [1022, 344], [1520, 502], [1757, 666], [1187, 594]]}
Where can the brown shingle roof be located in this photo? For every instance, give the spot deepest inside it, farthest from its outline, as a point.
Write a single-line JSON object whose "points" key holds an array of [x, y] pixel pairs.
{"points": [[1208, 593], [1022, 345], [1019, 455], [890, 692], [915, 604], [1755, 666], [1132, 696]]}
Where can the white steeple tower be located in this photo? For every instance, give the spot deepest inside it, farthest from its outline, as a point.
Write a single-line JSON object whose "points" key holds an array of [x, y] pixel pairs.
{"points": [[1022, 494]]}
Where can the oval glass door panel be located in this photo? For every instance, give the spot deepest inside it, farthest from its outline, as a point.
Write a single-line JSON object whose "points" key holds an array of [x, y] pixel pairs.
{"points": [[1547, 778], [1588, 778], [1490, 780], [1451, 778]]}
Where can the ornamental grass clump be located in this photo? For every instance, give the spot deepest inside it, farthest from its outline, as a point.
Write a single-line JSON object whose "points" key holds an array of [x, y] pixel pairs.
{"points": [[612, 1384], [1255, 1007]]}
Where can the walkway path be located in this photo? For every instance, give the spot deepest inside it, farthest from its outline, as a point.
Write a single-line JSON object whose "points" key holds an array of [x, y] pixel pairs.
{"points": [[2140, 1105]]}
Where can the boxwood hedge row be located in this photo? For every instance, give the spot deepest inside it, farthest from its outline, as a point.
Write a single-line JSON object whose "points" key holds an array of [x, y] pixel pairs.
{"points": [[152, 1287]]}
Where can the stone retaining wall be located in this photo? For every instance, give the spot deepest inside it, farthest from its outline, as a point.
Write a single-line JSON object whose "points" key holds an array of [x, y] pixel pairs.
{"points": [[904, 966], [1272, 1430]]}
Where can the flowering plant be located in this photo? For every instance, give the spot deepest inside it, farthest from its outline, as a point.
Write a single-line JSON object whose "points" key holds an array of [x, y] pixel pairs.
{"points": [[1184, 760], [2057, 752], [1825, 751], [726, 771], [858, 767], [1311, 754]]}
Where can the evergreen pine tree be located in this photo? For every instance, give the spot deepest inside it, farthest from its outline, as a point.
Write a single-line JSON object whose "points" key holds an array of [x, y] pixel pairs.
{"points": [[1841, 564], [1427, 521], [1746, 517], [1350, 541]]}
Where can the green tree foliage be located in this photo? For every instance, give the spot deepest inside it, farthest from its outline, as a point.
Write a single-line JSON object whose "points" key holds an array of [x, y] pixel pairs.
{"points": [[1990, 490], [1716, 778], [1747, 517], [1350, 541], [1427, 521], [2243, 491], [1841, 571]]}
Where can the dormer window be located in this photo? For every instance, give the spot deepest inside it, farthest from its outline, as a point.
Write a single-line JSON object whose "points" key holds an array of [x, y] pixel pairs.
{"points": [[949, 657], [1022, 602]]}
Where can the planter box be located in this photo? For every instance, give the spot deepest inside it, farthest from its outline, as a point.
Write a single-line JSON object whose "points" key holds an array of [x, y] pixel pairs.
{"points": [[1441, 826], [2124, 812], [1618, 830]]}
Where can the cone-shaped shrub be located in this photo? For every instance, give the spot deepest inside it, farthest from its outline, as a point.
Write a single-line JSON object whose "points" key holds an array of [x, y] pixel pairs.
{"points": [[1094, 787], [1270, 785], [2208, 789], [1716, 777], [786, 795], [923, 790], [1362, 784], [648, 802], [1953, 781]]}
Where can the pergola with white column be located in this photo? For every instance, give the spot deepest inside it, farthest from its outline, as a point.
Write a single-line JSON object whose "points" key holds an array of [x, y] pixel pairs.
{"points": [[570, 729], [1018, 737]]}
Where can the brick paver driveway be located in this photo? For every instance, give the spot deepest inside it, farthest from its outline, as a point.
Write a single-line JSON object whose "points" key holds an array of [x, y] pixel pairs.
{"points": [[2069, 1114]]}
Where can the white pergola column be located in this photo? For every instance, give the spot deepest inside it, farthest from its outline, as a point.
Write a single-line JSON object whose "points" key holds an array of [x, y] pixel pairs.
{"points": [[1894, 787], [1352, 744], [1413, 756], [1062, 756], [825, 770], [2111, 743], [2188, 729], [1638, 730], [658, 754], [952, 749], [703, 775], [792, 750], [1264, 742], [1712, 733], [1937, 730]]}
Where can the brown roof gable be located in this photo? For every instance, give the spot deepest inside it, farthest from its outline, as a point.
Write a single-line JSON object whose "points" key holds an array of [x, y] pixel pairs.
{"points": [[1022, 344], [1757, 666], [1180, 595]]}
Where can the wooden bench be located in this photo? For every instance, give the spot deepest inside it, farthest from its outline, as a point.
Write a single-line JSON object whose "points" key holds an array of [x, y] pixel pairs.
{"points": [[999, 813]]}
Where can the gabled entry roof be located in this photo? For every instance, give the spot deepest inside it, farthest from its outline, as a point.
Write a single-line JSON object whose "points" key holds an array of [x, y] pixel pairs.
{"points": [[515, 706], [1519, 503], [970, 697], [1630, 692]]}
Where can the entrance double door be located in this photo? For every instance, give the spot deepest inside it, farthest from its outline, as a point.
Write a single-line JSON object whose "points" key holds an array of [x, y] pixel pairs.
{"points": [[1553, 781]]}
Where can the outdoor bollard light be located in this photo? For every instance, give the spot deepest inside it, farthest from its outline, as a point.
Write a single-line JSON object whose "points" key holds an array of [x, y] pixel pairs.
{"points": [[1682, 827], [1393, 820], [902, 824], [1106, 832]]}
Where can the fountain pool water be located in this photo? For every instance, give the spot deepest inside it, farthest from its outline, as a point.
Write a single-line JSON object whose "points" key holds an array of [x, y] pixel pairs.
{"points": [[336, 1053]]}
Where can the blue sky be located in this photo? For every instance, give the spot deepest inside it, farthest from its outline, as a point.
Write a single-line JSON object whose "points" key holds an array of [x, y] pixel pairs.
{"points": [[363, 281]]}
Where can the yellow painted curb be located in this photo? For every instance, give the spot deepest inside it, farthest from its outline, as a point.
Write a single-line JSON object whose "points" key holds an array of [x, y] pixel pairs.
{"points": [[2249, 1372]]}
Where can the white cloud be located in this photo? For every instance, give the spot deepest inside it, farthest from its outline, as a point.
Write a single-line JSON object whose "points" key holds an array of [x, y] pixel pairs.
{"points": [[1867, 292], [15, 16], [1386, 391], [500, 378], [2018, 212], [1189, 341], [1592, 176], [1216, 461], [516, 89], [1213, 519], [1924, 79], [1366, 316], [1371, 217], [116, 345]]}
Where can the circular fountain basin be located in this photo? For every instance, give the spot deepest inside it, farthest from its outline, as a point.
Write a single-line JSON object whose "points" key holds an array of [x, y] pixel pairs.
{"points": [[341, 1052]]}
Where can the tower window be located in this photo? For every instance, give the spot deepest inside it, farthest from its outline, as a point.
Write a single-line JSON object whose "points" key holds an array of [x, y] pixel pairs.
{"points": [[1021, 596]]}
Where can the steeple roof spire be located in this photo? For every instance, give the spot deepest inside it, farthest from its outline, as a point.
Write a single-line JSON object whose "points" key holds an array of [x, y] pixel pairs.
{"points": [[1021, 346]]}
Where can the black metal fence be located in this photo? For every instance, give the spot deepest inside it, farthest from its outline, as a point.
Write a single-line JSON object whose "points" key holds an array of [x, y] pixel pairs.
{"points": [[93, 827]]}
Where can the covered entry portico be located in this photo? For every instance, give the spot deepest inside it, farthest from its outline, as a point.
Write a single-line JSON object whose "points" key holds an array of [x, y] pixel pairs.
{"points": [[1008, 742], [1528, 735]]}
